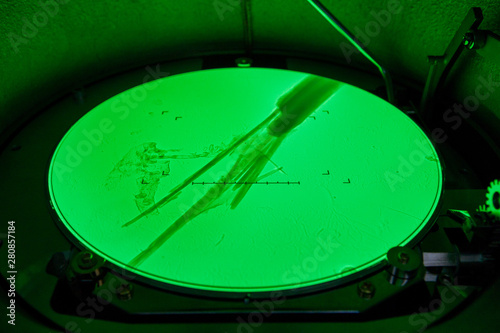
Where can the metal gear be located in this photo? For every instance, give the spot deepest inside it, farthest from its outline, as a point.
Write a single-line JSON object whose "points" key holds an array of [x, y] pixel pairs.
{"points": [[493, 198]]}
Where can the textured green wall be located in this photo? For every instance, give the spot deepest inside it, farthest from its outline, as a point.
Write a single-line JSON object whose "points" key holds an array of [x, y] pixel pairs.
{"points": [[91, 39], [85, 40]]}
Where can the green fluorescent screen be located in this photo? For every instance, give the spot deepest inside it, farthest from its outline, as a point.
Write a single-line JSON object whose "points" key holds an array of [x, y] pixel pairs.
{"points": [[363, 178]]}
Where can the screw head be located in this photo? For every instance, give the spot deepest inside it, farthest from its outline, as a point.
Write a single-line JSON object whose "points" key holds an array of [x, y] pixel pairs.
{"points": [[246, 300], [86, 260], [87, 257], [403, 257], [366, 290], [124, 292]]}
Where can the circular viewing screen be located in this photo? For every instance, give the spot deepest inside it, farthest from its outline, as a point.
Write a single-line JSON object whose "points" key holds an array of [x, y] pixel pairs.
{"points": [[184, 180]]}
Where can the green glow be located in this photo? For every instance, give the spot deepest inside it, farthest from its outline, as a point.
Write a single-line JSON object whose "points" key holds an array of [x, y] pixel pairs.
{"points": [[369, 180]]}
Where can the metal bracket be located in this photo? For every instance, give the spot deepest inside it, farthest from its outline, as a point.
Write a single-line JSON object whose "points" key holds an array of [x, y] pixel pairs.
{"points": [[440, 65]]}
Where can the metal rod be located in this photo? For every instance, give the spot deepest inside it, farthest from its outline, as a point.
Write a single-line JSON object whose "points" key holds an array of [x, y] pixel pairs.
{"points": [[357, 44], [247, 25]]}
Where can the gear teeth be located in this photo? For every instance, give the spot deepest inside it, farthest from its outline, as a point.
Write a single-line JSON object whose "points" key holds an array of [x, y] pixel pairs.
{"points": [[482, 209], [491, 206]]}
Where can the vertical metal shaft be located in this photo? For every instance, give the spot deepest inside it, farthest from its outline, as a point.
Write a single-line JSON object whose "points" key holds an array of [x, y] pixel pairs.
{"points": [[357, 44], [247, 25]]}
